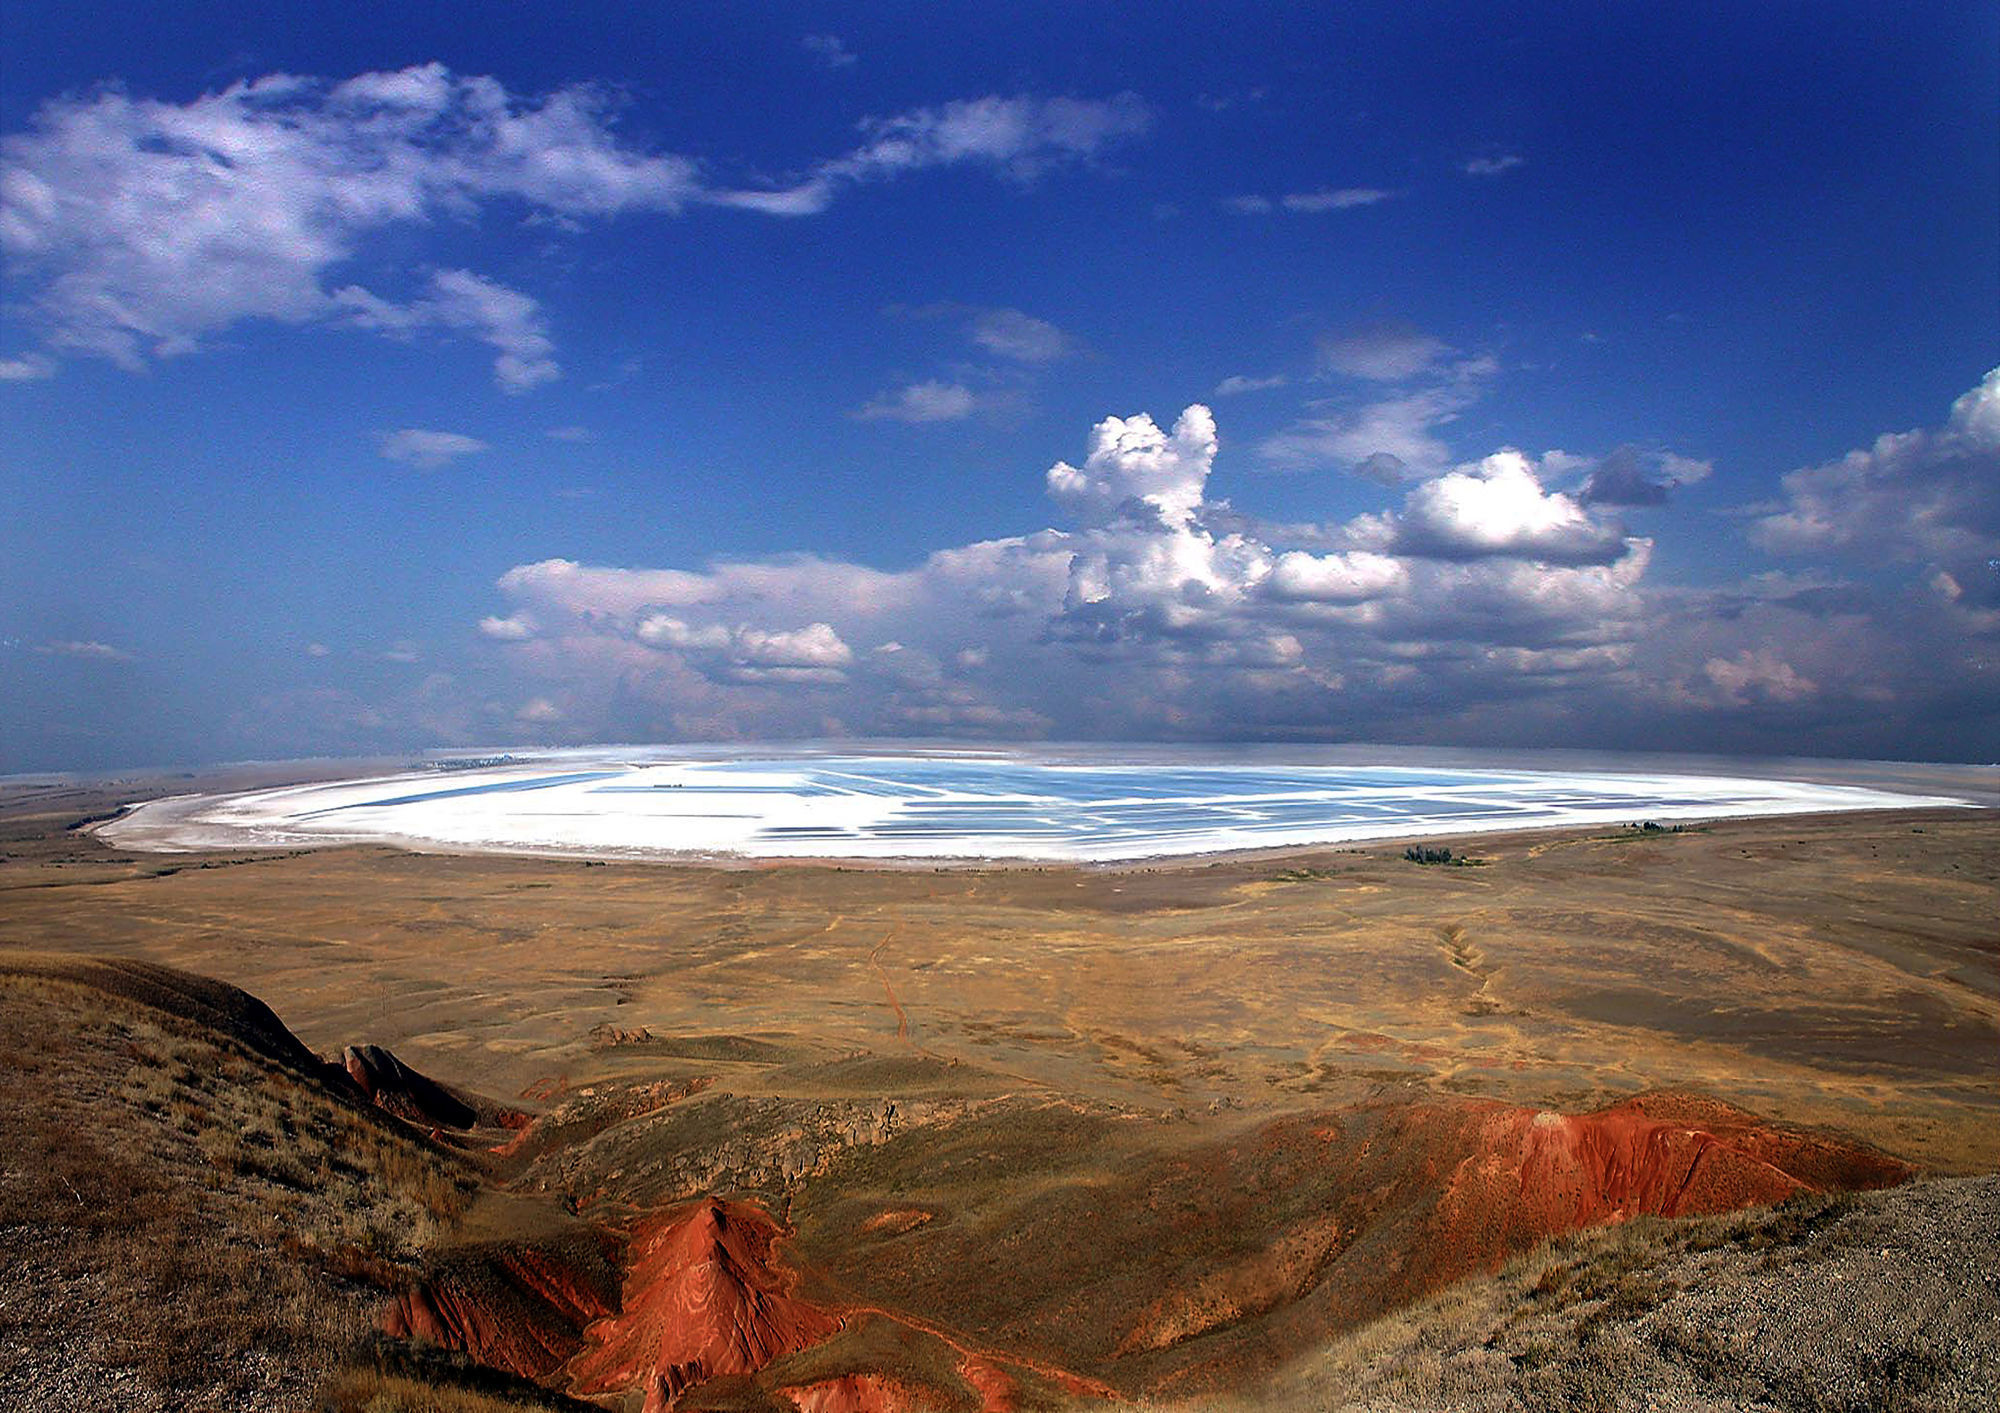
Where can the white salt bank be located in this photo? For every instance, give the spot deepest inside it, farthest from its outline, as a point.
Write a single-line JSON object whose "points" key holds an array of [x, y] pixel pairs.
{"points": [[625, 803]]}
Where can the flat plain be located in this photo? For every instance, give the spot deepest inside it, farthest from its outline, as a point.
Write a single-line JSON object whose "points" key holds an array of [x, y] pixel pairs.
{"points": [[1107, 1132]]}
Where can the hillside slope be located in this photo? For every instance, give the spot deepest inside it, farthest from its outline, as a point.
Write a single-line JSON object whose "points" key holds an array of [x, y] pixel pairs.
{"points": [[193, 1213], [1880, 1302]]}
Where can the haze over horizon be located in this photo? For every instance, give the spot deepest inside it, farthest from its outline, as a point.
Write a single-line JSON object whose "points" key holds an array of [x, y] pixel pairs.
{"points": [[1611, 379]]}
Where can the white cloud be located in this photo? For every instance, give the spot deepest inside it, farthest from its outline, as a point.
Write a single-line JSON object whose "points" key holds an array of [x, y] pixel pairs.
{"points": [[1145, 617], [1332, 199], [142, 227], [746, 653], [504, 319], [149, 225], [828, 51], [1491, 166], [1021, 137], [920, 402], [1022, 337], [1242, 383], [517, 628], [1354, 577], [1486, 606], [570, 434], [1928, 496], [1132, 461], [427, 450], [1384, 352], [29, 367], [1308, 203], [1389, 441], [1497, 506], [89, 650]]}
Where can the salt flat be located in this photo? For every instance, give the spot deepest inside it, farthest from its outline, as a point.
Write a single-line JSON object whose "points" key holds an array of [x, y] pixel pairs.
{"points": [[1012, 805]]}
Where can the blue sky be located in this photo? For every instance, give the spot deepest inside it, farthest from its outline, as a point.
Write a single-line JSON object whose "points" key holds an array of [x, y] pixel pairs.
{"points": [[1554, 375]]}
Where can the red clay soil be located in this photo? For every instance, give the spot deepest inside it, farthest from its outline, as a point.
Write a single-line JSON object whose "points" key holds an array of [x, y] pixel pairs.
{"points": [[896, 1221], [863, 1393], [513, 1307], [1425, 1194], [1331, 1219], [1658, 1155], [704, 1295], [998, 1393]]}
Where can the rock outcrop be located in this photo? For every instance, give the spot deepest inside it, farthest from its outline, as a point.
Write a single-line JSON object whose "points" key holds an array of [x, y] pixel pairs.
{"points": [[521, 1308], [407, 1093]]}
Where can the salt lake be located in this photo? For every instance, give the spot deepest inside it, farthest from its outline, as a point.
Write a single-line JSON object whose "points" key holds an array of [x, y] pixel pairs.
{"points": [[1018, 805]]}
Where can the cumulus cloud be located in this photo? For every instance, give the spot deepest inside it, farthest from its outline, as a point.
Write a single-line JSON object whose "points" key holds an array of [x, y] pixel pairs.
{"points": [[427, 450], [929, 401], [1156, 610], [1485, 603], [1132, 464], [1498, 506], [746, 653], [516, 628], [1931, 497], [1353, 577], [141, 227]]}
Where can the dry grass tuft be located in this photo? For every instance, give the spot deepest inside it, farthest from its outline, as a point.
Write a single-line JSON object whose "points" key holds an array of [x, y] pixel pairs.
{"points": [[178, 1206], [1828, 1301]]}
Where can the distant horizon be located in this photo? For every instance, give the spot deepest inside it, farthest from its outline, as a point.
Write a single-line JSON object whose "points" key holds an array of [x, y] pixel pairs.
{"points": [[1303, 752]]}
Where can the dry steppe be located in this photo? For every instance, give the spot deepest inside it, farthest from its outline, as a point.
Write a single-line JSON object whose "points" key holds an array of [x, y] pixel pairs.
{"points": [[812, 1137]]}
